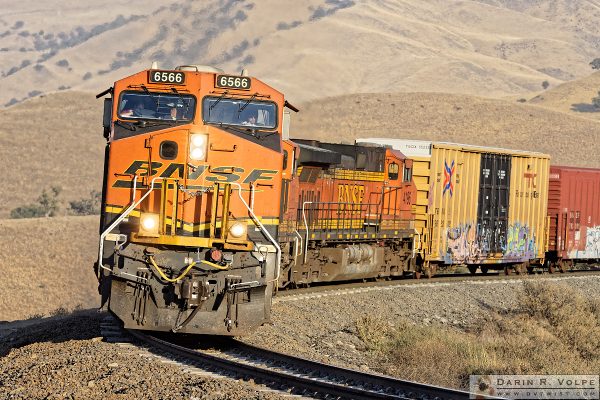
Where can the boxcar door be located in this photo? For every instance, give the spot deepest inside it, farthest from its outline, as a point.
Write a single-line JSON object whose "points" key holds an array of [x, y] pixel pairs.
{"points": [[492, 210]]}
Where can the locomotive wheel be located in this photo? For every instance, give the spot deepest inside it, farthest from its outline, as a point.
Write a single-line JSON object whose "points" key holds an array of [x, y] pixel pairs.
{"points": [[472, 269]]}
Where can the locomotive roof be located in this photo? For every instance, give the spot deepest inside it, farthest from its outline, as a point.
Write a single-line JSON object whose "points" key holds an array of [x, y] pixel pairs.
{"points": [[317, 155], [368, 158]]}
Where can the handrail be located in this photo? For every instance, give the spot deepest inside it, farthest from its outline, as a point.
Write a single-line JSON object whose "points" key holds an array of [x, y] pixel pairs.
{"points": [[262, 228], [306, 226], [119, 219], [414, 252], [133, 205], [301, 243]]}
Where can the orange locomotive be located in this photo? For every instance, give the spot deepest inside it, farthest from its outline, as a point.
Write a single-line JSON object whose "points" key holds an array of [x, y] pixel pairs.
{"points": [[351, 209], [191, 200], [198, 177]]}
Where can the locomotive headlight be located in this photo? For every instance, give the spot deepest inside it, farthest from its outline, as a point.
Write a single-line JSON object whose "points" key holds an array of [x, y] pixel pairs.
{"points": [[148, 225], [198, 145], [238, 230]]}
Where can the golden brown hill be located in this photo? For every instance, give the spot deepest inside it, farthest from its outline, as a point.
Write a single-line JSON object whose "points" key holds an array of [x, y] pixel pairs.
{"points": [[47, 264], [51, 140], [57, 139], [455, 118], [574, 97], [309, 49]]}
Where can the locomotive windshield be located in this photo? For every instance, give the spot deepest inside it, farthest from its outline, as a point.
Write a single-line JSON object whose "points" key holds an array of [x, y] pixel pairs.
{"points": [[162, 106], [247, 113]]}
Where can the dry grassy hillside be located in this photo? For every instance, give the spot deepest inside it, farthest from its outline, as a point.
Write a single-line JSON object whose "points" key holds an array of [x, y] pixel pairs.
{"points": [[47, 264], [574, 97], [309, 49], [52, 140], [456, 118], [57, 139]]}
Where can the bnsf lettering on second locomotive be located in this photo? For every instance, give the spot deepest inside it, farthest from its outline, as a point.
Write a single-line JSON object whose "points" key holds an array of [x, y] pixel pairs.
{"points": [[353, 194]]}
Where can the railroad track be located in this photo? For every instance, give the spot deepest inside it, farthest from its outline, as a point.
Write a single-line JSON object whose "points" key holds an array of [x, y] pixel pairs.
{"points": [[289, 375], [293, 375], [441, 280]]}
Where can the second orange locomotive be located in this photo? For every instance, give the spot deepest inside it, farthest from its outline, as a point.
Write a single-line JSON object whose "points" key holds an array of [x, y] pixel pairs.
{"points": [[351, 209]]}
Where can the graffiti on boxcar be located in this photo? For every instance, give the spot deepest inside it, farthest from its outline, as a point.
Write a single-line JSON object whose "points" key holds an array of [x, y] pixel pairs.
{"points": [[470, 243], [592, 245], [520, 242], [464, 244]]}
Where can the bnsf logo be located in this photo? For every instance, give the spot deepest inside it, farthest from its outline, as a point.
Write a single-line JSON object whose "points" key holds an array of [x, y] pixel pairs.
{"points": [[216, 174], [350, 194]]}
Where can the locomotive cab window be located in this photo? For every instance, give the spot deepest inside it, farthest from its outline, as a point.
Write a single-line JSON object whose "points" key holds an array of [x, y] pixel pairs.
{"points": [[407, 174], [156, 106], [393, 171], [241, 112]]}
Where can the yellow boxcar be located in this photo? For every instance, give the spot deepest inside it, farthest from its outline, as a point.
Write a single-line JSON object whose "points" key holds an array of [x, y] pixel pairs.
{"points": [[477, 206]]}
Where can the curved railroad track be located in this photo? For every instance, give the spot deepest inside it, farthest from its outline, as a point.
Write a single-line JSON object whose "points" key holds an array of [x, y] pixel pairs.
{"points": [[447, 279], [293, 375]]}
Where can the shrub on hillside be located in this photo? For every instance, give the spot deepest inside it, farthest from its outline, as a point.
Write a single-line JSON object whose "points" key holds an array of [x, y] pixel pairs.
{"points": [[596, 101], [89, 206], [46, 206], [553, 330]]}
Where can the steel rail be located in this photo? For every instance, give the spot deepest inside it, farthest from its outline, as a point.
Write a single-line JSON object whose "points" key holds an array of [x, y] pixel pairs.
{"points": [[332, 288], [305, 377], [397, 388]]}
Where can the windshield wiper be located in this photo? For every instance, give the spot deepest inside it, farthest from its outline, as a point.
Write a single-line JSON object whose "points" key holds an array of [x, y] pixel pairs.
{"points": [[254, 131], [247, 102], [127, 125], [144, 124], [213, 105], [187, 104], [145, 89]]}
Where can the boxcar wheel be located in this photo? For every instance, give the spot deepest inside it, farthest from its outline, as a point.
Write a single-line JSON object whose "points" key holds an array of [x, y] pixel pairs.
{"points": [[485, 270], [529, 269], [522, 268], [472, 269], [563, 266]]}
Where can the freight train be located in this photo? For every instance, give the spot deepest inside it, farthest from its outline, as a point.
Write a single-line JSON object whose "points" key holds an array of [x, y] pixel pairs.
{"points": [[208, 208]]}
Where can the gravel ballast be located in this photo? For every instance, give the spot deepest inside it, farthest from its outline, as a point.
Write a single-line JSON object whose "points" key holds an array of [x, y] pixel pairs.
{"points": [[65, 357], [324, 328]]}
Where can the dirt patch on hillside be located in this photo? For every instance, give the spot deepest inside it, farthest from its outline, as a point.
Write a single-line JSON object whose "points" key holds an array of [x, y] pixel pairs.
{"points": [[47, 265]]}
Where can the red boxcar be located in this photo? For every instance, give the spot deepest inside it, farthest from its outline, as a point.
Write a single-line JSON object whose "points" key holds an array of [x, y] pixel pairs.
{"points": [[574, 214]]}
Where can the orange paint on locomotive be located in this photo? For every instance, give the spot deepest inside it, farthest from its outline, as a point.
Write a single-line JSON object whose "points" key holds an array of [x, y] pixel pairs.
{"points": [[346, 195], [229, 158]]}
